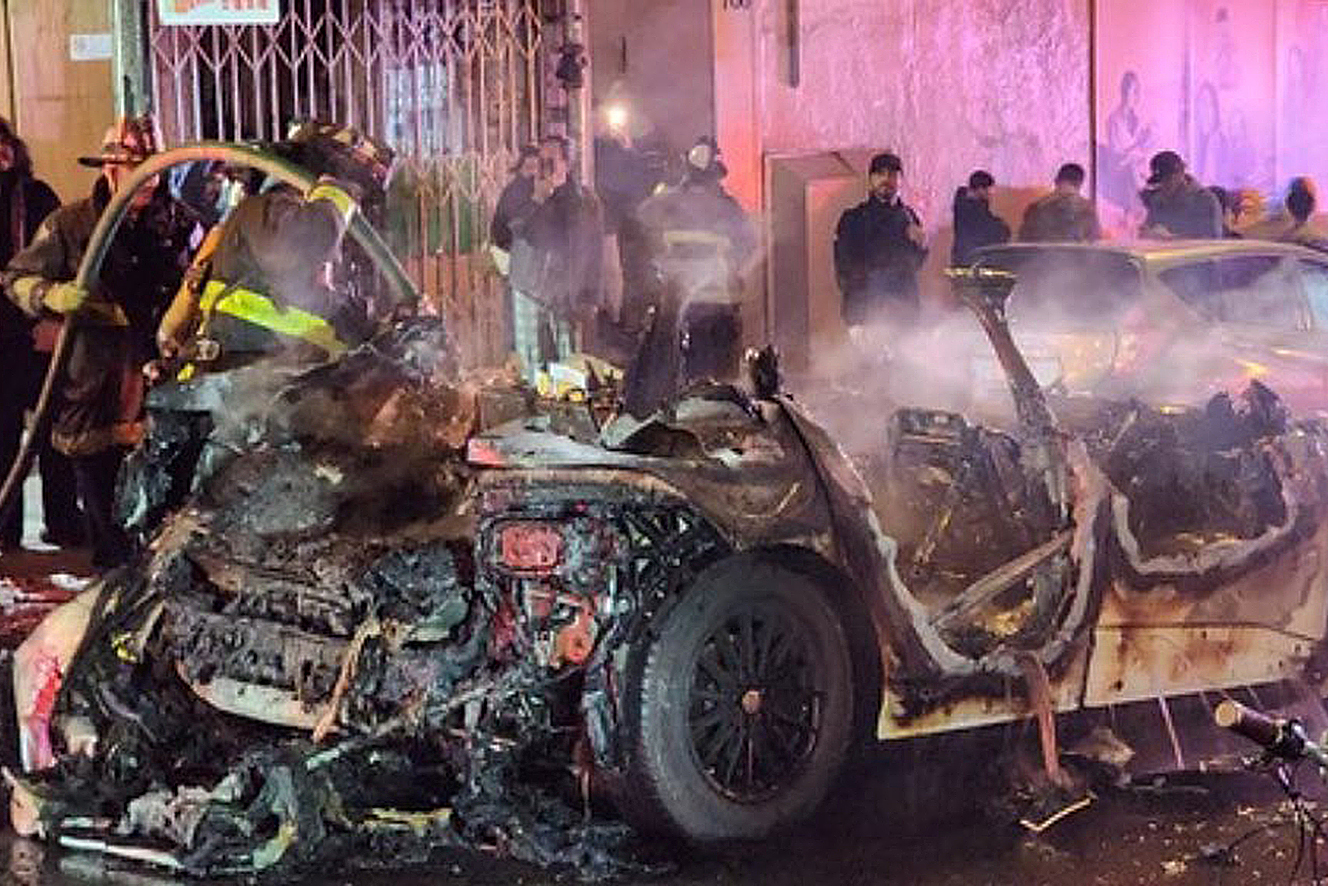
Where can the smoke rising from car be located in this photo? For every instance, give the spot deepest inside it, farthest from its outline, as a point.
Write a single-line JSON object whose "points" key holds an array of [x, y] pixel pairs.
{"points": [[1103, 343]]}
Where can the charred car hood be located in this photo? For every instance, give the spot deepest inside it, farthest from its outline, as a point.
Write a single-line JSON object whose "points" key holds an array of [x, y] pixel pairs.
{"points": [[743, 463]]}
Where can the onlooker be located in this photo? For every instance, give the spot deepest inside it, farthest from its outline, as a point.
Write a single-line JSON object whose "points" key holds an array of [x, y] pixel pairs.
{"points": [[1226, 200], [98, 415], [516, 201], [703, 244], [975, 225], [1301, 202], [25, 201], [1178, 206], [625, 175], [556, 255], [1064, 215], [879, 246], [1296, 223]]}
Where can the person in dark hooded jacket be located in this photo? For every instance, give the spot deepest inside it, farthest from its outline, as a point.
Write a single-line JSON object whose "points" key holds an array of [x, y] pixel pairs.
{"points": [[975, 225]]}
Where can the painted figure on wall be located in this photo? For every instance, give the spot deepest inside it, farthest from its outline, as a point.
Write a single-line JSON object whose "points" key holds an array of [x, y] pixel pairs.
{"points": [[1211, 162], [1129, 138]]}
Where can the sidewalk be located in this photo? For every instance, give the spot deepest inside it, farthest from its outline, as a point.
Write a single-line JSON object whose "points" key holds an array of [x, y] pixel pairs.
{"points": [[38, 577]]}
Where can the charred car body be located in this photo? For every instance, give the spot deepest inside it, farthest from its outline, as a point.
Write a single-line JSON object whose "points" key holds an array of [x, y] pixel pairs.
{"points": [[362, 639]]}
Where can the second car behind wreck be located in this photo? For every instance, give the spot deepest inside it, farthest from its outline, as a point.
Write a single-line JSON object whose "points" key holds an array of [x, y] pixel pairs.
{"points": [[416, 612]]}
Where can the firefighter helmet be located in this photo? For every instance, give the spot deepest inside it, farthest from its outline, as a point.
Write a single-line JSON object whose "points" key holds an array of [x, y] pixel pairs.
{"points": [[341, 152], [128, 142]]}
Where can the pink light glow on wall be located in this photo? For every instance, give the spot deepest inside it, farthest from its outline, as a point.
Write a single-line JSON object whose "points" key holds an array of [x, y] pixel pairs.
{"points": [[1229, 85]]}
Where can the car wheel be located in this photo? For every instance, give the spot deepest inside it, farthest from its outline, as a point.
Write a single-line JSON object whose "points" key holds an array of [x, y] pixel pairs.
{"points": [[741, 705]]}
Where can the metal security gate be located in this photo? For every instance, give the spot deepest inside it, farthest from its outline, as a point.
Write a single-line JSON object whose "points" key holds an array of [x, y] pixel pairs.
{"points": [[454, 86]]}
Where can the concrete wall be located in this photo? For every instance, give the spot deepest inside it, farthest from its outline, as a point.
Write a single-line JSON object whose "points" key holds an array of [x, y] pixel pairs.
{"points": [[1236, 88], [952, 85], [61, 107], [656, 57]]}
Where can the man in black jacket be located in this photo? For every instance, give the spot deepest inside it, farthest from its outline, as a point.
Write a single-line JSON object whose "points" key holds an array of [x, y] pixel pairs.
{"points": [[975, 225], [1178, 207], [557, 252], [879, 246], [515, 202]]}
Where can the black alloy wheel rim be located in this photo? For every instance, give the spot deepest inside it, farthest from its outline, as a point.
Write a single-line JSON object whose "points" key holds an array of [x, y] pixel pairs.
{"points": [[754, 709]]}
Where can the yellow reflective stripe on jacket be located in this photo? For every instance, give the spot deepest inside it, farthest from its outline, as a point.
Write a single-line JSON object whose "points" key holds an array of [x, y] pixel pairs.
{"points": [[258, 309], [176, 323], [337, 196]]}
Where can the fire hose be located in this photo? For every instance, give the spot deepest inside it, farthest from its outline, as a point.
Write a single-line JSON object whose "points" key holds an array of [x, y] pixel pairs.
{"points": [[90, 268]]}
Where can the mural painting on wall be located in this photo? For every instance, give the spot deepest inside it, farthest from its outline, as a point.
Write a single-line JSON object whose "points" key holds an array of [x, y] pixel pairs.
{"points": [[1302, 68], [1228, 85]]}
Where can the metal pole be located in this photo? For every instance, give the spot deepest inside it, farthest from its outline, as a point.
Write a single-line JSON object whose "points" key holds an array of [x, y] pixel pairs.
{"points": [[579, 130], [128, 66], [11, 85], [89, 269]]}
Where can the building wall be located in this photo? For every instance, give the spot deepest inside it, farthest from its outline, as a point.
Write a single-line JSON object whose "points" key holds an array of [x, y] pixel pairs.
{"points": [[656, 57], [60, 107], [1235, 87], [951, 85]]}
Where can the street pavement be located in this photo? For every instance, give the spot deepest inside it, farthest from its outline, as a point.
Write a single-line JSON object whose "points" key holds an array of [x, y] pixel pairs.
{"points": [[1167, 834]]}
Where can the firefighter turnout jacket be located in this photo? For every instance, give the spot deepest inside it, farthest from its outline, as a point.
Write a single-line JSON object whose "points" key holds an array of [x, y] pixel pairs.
{"points": [[261, 285], [100, 394], [702, 239]]}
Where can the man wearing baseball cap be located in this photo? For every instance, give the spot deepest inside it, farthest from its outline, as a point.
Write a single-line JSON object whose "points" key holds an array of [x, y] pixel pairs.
{"points": [[879, 246], [1179, 208], [98, 415]]}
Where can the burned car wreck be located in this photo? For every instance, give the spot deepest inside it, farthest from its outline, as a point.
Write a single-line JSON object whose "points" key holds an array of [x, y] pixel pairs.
{"points": [[411, 611]]}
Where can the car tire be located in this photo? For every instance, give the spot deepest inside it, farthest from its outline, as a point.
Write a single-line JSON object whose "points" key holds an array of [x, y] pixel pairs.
{"points": [[740, 706]]}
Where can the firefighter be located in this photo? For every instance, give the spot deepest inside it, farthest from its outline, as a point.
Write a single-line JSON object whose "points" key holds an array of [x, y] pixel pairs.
{"points": [[703, 244], [259, 294], [98, 412], [266, 288]]}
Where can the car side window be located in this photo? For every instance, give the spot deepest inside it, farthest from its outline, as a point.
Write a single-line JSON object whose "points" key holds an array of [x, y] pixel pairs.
{"points": [[1195, 284], [1251, 290], [1314, 280]]}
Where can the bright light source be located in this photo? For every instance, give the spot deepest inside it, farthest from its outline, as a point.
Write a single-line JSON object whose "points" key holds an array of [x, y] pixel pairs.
{"points": [[616, 116]]}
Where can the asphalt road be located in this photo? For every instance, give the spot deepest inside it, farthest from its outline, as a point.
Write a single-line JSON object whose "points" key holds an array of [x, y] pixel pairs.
{"points": [[1154, 835]]}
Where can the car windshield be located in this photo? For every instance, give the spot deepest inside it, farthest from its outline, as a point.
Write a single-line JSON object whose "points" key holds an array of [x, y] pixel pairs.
{"points": [[1067, 287]]}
